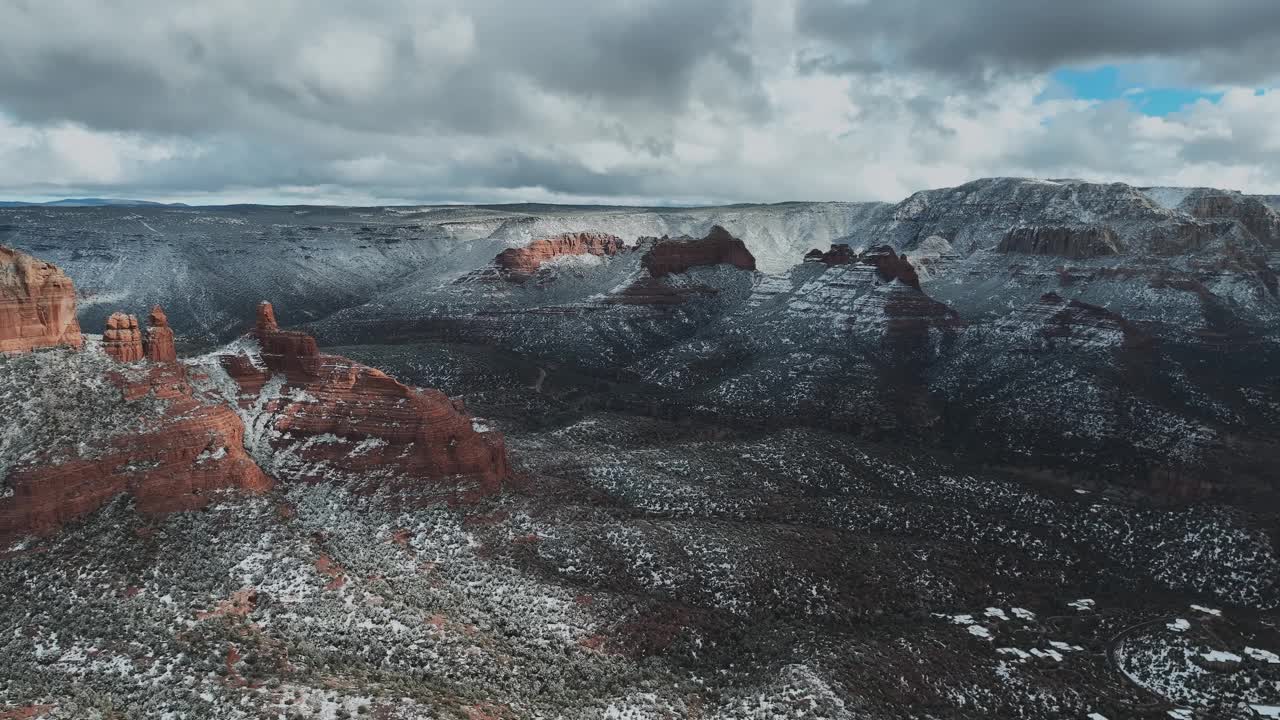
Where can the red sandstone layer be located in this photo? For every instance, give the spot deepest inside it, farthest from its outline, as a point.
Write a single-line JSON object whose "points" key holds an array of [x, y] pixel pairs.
{"points": [[176, 461], [37, 304], [526, 260]]}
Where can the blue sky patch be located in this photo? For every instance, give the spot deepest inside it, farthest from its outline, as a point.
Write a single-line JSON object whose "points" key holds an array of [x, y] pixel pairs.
{"points": [[1112, 82]]}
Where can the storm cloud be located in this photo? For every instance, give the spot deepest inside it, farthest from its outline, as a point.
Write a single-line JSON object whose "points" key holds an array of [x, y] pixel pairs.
{"points": [[679, 101], [1221, 41]]}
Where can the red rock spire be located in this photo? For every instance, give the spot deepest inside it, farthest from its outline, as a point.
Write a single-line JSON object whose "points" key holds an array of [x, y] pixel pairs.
{"points": [[122, 339], [159, 339], [267, 318]]}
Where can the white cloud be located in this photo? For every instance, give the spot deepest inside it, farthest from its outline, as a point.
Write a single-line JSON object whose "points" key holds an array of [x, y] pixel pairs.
{"points": [[646, 101], [348, 62]]}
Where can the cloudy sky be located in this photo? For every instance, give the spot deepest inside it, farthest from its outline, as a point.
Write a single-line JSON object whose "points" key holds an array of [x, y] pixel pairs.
{"points": [[628, 101]]}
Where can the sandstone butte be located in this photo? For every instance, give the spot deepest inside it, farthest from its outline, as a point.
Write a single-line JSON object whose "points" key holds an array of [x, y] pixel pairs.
{"points": [[37, 304], [367, 423], [182, 457], [667, 255], [519, 263]]}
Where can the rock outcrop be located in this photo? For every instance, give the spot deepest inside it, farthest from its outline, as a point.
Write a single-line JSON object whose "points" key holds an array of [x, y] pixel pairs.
{"points": [[839, 254], [889, 265], [1066, 241], [122, 338], [285, 351], [324, 417], [520, 263], [184, 447], [667, 255], [37, 304], [159, 340]]}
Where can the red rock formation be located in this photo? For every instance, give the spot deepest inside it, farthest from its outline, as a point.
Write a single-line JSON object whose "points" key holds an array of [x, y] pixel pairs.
{"points": [[122, 339], [519, 263], [159, 339], [839, 254], [337, 418], [171, 461], [37, 304], [890, 265], [285, 351], [266, 318], [676, 255]]}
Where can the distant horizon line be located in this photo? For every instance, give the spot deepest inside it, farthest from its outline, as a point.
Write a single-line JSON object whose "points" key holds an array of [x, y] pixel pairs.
{"points": [[124, 202]]}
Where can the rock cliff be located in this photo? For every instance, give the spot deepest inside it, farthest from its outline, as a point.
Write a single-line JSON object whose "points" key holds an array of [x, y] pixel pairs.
{"points": [[1261, 221], [285, 351], [165, 434], [37, 304], [1061, 241]]}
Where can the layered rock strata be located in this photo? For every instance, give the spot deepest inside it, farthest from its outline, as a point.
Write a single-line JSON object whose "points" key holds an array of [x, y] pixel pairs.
{"points": [[521, 263], [37, 304], [1061, 241], [889, 265]]}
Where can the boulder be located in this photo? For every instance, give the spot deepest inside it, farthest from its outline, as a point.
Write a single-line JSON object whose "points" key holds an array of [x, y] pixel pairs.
{"points": [[37, 304]]}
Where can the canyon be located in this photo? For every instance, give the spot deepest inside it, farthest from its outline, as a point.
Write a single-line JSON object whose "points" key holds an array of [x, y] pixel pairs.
{"points": [[1004, 449]]}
